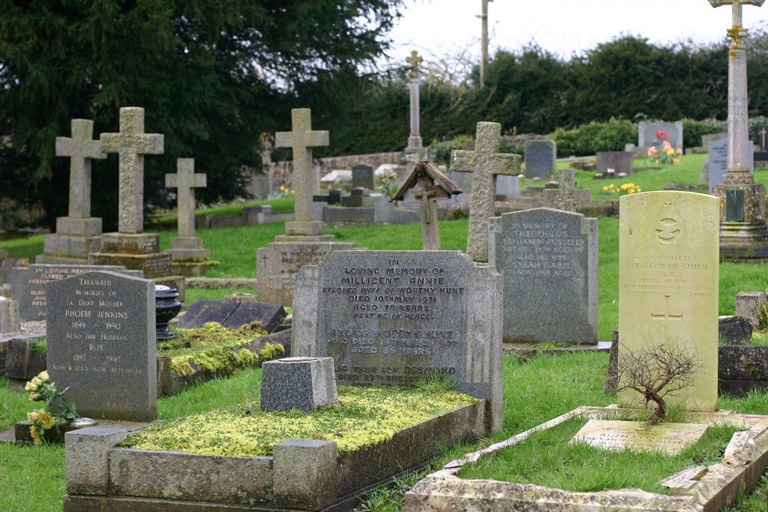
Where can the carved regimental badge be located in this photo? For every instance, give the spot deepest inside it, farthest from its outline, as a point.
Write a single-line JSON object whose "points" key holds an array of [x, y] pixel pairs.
{"points": [[668, 228]]}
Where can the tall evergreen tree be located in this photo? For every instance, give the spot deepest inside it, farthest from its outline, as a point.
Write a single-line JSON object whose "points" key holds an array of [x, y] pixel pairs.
{"points": [[211, 74]]}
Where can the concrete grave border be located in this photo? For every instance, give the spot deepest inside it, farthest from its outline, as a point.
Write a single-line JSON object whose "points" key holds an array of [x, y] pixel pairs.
{"points": [[712, 488], [301, 475]]}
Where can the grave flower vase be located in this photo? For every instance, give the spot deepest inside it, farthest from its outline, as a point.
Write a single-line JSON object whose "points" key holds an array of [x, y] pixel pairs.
{"points": [[167, 306]]}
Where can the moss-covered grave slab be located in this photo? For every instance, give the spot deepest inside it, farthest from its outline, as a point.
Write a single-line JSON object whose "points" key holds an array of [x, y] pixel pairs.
{"points": [[711, 488], [279, 471]]}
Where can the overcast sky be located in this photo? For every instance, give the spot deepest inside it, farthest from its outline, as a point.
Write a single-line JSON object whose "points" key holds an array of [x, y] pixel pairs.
{"points": [[564, 27]]}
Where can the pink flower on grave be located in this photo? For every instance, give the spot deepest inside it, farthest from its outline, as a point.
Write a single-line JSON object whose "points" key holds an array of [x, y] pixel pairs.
{"points": [[661, 135]]}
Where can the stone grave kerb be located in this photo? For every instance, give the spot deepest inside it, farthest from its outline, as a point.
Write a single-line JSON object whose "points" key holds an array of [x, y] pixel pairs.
{"points": [[485, 163], [81, 149], [301, 140], [131, 143], [185, 181]]}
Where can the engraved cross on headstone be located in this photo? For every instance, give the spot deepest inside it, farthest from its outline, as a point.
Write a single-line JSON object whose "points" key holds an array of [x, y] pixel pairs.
{"points": [[131, 144], [301, 139], [81, 148], [185, 181], [667, 316], [485, 164]]}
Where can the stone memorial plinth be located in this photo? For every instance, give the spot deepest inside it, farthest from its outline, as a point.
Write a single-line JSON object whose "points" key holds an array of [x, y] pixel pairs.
{"points": [[130, 246], [302, 383], [640, 436], [101, 344], [28, 284], [619, 161], [540, 156], [188, 257], [304, 242], [668, 286], [394, 318], [718, 163], [77, 234], [549, 262]]}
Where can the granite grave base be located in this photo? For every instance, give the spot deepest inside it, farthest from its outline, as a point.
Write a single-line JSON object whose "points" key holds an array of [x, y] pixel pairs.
{"points": [[301, 475], [712, 488]]}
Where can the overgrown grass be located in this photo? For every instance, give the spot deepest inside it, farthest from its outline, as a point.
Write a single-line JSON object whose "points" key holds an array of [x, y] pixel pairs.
{"points": [[548, 458]]}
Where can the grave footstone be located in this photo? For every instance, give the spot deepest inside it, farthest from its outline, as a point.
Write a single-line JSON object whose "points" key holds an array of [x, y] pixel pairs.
{"points": [[668, 286], [549, 257], [540, 155], [101, 344], [396, 317], [28, 284], [301, 383]]}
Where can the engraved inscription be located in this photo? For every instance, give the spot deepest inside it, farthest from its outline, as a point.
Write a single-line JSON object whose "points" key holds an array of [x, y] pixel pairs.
{"points": [[541, 249]]}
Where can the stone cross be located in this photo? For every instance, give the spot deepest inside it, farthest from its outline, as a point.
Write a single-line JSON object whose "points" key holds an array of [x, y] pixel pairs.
{"points": [[414, 60], [485, 163], [131, 144], [763, 133], [301, 140], [185, 181], [81, 149]]}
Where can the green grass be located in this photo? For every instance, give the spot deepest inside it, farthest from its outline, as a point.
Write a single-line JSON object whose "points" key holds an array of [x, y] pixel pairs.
{"points": [[547, 458], [280, 205]]}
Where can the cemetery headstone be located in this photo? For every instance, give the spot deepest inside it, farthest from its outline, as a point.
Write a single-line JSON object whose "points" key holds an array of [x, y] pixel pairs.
{"points": [[485, 163], [186, 246], [718, 163], [762, 137], [101, 344], [508, 187], [540, 156], [549, 257], [28, 284], [304, 242], [668, 286], [620, 161], [428, 185], [396, 317], [362, 177], [9, 316], [77, 234], [647, 134], [712, 137], [130, 246]]}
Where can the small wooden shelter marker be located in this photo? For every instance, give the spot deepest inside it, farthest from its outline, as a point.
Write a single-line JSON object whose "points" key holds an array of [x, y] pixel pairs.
{"points": [[429, 185]]}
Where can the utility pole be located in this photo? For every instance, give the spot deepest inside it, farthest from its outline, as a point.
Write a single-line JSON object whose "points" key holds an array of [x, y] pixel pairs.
{"points": [[484, 40]]}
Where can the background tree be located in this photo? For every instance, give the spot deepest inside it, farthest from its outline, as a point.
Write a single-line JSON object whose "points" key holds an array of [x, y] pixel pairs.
{"points": [[211, 74]]}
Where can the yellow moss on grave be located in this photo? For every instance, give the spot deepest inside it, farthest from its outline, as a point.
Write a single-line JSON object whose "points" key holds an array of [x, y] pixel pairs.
{"points": [[215, 349], [364, 416]]}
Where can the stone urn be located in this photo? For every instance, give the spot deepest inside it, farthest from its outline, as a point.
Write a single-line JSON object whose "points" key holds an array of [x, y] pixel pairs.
{"points": [[167, 306]]}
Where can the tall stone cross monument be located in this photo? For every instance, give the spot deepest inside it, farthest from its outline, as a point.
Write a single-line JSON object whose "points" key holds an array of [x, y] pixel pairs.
{"points": [[301, 140], [130, 246], [186, 246], [743, 231], [485, 163], [78, 233], [304, 242], [414, 140], [132, 144]]}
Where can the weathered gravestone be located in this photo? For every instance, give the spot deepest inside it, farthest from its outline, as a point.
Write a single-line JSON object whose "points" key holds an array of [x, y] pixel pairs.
{"points": [[362, 177], [232, 314], [668, 286], [619, 161], [540, 155], [28, 284], [304, 242], [507, 187], [566, 196], [302, 383], [77, 234], [718, 162], [647, 133], [101, 344], [9, 316], [396, 317], [549, 262]]}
